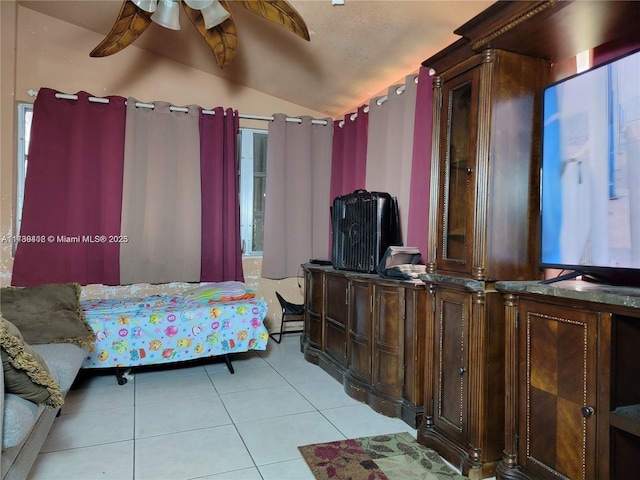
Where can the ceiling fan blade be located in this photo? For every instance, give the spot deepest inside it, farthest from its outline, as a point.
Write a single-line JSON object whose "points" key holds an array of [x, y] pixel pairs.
{"points": [[223, 38], [131, 23], [280, 12]]}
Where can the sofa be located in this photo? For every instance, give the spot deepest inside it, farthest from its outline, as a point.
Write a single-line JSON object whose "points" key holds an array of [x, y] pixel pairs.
{"points": [[44, 339]]}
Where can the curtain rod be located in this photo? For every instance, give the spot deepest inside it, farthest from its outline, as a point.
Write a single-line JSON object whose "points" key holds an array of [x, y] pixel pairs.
{"points": [[379, 101], [248, 116]]}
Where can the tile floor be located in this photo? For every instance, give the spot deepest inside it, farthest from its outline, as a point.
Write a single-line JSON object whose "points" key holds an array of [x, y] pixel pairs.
{"points": [[201, 422]]}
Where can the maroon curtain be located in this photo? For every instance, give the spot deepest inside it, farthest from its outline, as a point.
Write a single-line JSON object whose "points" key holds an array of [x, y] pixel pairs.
{"points": [[73, 191], [221, 244], [614, 49], [418, 225], [349, 160], [349, 157]]}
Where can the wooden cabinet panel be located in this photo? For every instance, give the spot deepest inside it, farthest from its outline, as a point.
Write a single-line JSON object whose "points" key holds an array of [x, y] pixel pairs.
{"points": [[465, 423], [624, 416], [388, 358], [452, 320], [458, 137], [360, 332], [415, 346], [558, 371], [336, 318], [314, 288]]}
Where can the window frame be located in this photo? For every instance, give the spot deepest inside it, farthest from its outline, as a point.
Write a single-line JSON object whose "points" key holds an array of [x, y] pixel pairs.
{"points": [[25, 117], [246, 176]]}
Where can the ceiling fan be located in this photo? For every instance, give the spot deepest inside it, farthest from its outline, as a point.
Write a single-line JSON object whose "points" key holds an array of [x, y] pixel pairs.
{"points": [[212, 19]]}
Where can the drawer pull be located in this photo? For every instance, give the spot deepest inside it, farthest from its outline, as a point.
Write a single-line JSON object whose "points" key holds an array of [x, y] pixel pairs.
{"points": [[461, 370], [587, 411]]}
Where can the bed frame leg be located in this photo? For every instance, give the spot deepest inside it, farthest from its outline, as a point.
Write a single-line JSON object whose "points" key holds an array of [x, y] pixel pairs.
{"points": [[122, 375], [228, 361]]}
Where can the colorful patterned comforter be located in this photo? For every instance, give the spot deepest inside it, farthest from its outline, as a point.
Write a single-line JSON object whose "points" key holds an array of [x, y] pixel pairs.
{"points": [[167, 328]]}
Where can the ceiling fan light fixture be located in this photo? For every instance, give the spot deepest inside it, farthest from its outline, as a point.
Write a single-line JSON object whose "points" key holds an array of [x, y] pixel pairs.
{"points": [[214, 14], [167, 14], [146, 5], [198, 4]]}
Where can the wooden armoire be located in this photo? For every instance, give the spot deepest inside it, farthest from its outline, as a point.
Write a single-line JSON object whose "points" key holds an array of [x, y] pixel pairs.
{"points": [[484, 207]]}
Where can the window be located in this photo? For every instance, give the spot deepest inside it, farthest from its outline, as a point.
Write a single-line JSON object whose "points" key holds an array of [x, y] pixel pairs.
{"points": [[253, 182], [25, 114]]}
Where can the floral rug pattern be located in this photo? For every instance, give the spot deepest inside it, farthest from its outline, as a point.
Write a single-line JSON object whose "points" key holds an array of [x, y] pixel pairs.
{"points": [[395, 456]]}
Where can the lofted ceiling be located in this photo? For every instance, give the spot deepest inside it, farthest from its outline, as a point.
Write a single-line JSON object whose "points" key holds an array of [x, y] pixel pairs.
{"points": [[357, 50]]}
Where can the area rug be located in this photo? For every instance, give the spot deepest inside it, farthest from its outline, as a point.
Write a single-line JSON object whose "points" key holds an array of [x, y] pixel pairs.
{"points": [[396, 456]]}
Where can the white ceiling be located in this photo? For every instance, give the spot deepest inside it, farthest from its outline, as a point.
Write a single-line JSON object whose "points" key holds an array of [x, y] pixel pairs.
{"points": [[357, 50]]}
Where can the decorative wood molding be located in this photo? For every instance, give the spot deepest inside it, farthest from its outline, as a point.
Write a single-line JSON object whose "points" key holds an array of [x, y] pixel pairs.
{"points": [[434, 183], [512, 24], [482, 171], [460, 67]]}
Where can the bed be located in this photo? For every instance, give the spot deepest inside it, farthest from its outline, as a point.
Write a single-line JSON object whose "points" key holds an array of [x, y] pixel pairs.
{"points": [[211, 320]]}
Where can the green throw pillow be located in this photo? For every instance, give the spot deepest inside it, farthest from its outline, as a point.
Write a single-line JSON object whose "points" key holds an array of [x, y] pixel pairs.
{"points": [[25, 372], [47, 314]]}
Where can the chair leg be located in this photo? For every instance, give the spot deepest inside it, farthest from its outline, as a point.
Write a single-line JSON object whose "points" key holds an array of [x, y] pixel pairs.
{"points": [[273, 335], [282, 332]]}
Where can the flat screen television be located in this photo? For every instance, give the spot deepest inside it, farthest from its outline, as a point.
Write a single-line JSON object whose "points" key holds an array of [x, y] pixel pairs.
{"points": [[590, 179]]}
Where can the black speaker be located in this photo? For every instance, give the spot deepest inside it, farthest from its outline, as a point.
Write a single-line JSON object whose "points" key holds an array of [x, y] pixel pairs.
{"points": [[364, 225]]}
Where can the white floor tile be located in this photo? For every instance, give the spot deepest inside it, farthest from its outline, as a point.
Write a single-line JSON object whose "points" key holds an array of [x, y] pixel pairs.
{"points": [[244, 474], [112, 461], [273, 440], [265, 403], [167, 372], [98, 395], [169, 388], [85, 429], [94, 378], [327, 394], [239, 361], [303, 373], [192, 454], [361, 421], [247, 379], [200, 422], [181, 415], [290, 470], [287, 351]]}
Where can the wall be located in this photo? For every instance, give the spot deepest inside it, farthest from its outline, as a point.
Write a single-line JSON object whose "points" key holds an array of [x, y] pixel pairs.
{"points": [[40, 51]]}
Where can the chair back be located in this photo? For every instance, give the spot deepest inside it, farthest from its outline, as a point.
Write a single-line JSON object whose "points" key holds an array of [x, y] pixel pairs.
{"points": [[289, 308]]}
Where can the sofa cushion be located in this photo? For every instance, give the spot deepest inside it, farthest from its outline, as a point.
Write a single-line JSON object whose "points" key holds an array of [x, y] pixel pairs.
{"points": [[20, 415], [25, 372], [64, 360], [47, 313]]}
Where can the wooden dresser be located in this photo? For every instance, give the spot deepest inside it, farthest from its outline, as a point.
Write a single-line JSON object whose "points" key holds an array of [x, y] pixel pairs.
{"points": [[369, 334]]}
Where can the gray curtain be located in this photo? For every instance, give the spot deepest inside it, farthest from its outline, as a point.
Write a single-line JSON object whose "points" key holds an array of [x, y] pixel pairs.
{"points": [[296, 225], [390, 146], [161, 201]]}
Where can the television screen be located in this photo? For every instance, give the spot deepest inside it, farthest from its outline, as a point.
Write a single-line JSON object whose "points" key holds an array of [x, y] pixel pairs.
{"points": [[590, 203]]}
